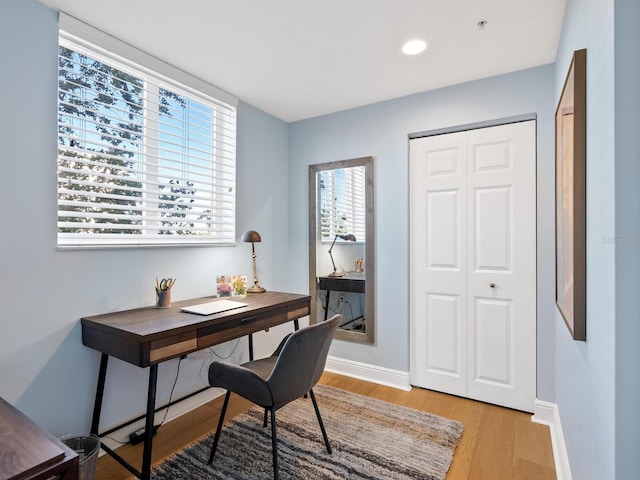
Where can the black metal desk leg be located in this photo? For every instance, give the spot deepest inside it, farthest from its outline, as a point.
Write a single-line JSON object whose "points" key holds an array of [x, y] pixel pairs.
{"points": [[148, 434], [251, 347], [326, 310], [296, 324], [97, 405]]}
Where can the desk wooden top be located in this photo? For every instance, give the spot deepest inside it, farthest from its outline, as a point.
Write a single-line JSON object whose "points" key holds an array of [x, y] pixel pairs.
{"points": [[25, 448], [148, 335]]}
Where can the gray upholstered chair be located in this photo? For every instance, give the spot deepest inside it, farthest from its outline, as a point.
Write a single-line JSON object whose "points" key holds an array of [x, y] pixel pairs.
{"points": [[290, 373]]}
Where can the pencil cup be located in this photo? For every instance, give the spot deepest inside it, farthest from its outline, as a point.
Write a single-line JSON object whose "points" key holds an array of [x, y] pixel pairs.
{"points": [[163, 298], [358, 262]]}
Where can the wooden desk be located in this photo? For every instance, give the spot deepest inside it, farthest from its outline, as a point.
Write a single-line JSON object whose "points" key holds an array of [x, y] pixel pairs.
{"points": [[29, 452], [148, 336]]}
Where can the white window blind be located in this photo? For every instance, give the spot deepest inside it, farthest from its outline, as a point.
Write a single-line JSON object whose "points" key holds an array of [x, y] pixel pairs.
{"points": [[342, 203], [141, 160]]}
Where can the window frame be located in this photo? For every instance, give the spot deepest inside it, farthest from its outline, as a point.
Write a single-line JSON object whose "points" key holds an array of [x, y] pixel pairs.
{"points": [[193, 89]]}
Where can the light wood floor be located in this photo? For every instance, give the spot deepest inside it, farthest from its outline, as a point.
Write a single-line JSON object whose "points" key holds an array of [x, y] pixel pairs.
{"points": [[497, 443]]}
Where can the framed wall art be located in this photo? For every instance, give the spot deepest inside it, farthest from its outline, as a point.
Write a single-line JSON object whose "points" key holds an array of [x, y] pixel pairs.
{"points": [[571, 139]]}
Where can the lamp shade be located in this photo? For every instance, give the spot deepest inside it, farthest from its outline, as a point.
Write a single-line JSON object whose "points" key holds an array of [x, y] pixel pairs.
{"points": [[349, 236], [251, 236]]}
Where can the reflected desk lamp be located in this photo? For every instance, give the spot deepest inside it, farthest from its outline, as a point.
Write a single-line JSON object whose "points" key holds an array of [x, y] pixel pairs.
{"points": [[253, 237], [350, 237]]}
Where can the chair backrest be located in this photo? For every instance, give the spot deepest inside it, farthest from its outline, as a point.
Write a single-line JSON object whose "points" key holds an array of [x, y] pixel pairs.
{"points": [[301, 361]]}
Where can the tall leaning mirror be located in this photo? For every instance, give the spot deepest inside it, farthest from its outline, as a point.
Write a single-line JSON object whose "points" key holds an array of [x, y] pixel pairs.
{"points": [[341, 246]]}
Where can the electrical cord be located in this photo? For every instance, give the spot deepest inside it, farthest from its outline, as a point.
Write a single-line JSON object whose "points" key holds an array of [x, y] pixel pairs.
{"points": [[175, 381], [350, 310], [139, 435], [171, 394], [328, 307], [114, 440], [232, 351], [207, 362], [347, 303], [323, 299]]}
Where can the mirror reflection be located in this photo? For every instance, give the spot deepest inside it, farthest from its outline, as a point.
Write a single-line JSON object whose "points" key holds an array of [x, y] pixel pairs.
{"points": [[341, 262]]}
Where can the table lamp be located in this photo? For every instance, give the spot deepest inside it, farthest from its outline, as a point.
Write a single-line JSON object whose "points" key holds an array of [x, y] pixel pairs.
{"points": [[253, 237], [350, 237]]}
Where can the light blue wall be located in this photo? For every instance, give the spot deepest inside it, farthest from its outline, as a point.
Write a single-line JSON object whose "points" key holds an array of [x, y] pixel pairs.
{"points": [[627, 138], [46, 372], [585, 390], [382, 130], [44, 368]]}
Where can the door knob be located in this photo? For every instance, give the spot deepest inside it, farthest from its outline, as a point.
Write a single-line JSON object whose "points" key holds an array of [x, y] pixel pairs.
{"points": [[492, 285]]}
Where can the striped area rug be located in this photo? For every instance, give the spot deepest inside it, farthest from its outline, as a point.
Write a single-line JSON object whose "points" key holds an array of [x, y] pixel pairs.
{"points": [[370, 439]]}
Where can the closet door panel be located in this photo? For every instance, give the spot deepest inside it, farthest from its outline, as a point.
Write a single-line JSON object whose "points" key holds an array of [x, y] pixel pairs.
{"points": [[502, 258], [438, 272]]}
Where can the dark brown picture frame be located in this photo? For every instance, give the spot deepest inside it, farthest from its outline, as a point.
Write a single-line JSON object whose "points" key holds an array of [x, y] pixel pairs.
{"points": [[571, 154]]}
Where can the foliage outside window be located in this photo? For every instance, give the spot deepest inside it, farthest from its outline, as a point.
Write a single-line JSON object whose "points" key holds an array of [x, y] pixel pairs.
{"points": [[342, 203], [141, 160]]}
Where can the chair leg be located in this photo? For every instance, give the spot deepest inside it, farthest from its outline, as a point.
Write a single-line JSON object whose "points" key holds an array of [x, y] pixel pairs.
{"points": [[324, 432], [217, 435], [274, 444]]}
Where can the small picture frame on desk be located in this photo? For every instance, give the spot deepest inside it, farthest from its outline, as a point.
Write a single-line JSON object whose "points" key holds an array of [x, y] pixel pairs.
{"points": [[239, 285], [223, 285]]}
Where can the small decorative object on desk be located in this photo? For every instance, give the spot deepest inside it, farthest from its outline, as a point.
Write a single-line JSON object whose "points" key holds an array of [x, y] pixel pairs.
{"points": [[223, 287], [358, 262], [163, 292], [239, 284]]}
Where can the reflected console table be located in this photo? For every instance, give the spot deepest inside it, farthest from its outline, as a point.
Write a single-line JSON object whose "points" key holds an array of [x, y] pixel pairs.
{"points": [[350, 282], [148, 336]]}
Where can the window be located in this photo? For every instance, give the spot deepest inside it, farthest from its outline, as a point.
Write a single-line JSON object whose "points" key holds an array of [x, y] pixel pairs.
{"points": [[342, 203], [142, 160]]}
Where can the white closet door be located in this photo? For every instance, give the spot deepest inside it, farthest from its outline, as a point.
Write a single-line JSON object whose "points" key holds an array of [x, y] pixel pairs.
{"points": [[502, 252], [494, 312], [439, 262]]}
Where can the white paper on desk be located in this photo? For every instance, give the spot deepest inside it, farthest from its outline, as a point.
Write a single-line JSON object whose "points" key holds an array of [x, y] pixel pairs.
{"points": [[216, 306]]}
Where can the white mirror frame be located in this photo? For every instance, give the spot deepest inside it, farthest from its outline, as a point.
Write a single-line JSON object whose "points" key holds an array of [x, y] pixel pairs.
{"points": [[368, 336]]}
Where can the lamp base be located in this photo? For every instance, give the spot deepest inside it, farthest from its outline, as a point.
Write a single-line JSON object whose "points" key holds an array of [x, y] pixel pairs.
{"points": [[256, 289], [336, 274]]}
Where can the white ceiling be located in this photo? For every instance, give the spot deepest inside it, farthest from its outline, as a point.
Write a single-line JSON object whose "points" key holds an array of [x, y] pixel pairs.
{"points": [[298, 59]]}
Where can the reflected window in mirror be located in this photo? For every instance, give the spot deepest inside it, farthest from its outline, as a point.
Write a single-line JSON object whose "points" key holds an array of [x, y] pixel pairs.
{"points": [[342, 203]]}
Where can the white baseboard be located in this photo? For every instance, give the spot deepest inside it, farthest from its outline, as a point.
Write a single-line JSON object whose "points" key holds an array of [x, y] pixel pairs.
{"points": [[370, 373], [547, 413], [175, 411]]}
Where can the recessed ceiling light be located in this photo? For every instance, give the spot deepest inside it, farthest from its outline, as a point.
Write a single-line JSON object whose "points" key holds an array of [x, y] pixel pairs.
{"points": [[413, 47]]}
